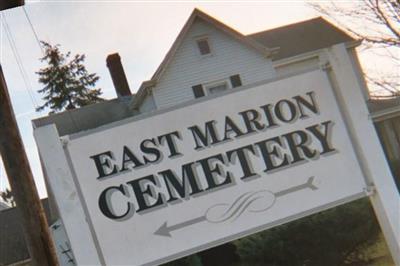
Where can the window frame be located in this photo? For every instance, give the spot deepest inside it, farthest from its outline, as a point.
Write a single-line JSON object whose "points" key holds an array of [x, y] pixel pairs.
{"points": [[209, 85], [207, 39]]}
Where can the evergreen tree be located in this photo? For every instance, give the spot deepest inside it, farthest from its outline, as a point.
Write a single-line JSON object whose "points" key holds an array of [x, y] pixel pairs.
{"points": [[67, 83]]}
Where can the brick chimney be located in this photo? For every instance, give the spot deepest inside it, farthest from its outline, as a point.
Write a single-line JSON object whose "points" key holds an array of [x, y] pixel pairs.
{"points": [[118, 75]]}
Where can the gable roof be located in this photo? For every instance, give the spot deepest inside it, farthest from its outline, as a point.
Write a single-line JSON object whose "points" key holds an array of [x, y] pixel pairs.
{"points": [[302, 37], [198, 14], [277, 43]]}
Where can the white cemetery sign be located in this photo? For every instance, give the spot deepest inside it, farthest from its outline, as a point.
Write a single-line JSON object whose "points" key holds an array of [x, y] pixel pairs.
{"points": [[159, 187]]}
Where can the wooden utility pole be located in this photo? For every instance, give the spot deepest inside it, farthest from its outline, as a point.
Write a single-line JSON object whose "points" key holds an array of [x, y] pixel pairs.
{"points": [[36, 229], [8, 4]]}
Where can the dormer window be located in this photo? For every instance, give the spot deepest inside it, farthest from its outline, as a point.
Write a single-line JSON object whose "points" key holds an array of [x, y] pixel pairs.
{"points": [[204, 46]]}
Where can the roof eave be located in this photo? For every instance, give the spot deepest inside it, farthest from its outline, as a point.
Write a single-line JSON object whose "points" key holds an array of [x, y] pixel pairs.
{"points": [[142, 93], [311, 54], [354, 44]]}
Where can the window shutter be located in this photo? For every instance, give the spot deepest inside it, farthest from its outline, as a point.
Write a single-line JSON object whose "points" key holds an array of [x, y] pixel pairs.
{"points": [[198, 91], [235, 81]]}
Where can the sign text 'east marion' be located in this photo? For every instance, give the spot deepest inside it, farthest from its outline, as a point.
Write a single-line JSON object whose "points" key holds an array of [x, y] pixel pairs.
{"points": [[208, 174]]}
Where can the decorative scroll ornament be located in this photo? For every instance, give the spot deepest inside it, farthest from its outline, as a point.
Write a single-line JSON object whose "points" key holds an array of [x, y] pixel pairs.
{"points": [[252, 201]]}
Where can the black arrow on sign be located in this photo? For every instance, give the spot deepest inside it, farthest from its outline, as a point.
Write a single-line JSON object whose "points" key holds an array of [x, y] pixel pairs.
{"points": [[165, 230], [235, 209]]}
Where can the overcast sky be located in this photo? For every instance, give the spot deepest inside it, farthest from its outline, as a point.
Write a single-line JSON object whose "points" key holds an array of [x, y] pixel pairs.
{"points": [[140, 31]]}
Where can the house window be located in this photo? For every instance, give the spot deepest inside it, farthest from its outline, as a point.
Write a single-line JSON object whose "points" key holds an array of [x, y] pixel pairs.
{"points": [[210, 88], [204, 46], [216, 87]]}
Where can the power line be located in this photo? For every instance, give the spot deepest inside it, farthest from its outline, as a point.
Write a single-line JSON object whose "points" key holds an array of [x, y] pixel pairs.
{"points": [[20, 65], [19, 62], [33, 29]]}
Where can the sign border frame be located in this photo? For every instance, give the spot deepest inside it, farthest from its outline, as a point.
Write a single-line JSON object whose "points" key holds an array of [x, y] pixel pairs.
{"points": [[347, 94]]}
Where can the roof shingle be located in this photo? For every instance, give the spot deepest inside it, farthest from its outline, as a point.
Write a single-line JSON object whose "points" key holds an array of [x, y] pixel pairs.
{"points": [[301, 37]]}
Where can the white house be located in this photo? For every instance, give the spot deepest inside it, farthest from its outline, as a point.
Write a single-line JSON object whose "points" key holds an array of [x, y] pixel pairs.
{"points": [[208, 57]]}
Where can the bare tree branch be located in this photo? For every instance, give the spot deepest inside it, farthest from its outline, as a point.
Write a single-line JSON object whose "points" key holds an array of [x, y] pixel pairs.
{"points": [[377, 23], [387, 21]]}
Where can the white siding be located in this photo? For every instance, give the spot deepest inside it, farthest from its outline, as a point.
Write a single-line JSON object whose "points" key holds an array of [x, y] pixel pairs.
{"points": [[148, 104], [295, 67], [189, 68]]}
